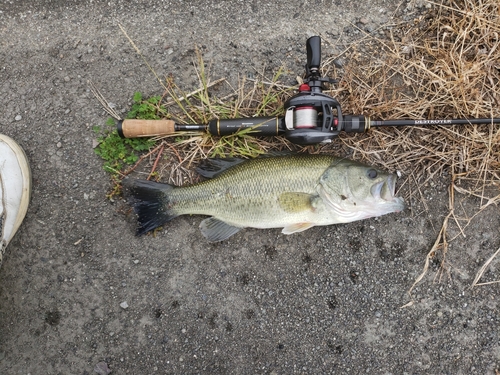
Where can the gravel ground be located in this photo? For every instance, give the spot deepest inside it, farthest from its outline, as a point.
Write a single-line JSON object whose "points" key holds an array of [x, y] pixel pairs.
{"points": [[79, 294]]}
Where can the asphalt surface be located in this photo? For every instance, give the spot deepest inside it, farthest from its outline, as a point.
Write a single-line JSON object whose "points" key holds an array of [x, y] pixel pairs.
{"points": [[80, 294]]}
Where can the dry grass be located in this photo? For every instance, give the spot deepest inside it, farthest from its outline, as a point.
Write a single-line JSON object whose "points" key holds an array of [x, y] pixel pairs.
{"points": [[446, 65]]}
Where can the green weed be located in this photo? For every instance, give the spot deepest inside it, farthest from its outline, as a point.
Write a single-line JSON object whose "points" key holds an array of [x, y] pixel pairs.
{"points": [[149, 109], [119, 152]]}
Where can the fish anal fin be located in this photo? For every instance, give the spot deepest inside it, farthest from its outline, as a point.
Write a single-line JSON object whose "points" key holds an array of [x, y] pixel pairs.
{"points": [[296, 202], [297, 227], [217, 230]]}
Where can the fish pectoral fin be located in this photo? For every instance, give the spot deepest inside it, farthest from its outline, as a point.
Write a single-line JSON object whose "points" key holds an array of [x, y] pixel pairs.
{"points": [[297, 227], [295, 202], [216, 230]]}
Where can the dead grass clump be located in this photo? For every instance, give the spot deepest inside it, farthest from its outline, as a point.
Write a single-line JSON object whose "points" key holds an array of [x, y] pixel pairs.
{"points": [[446, 65]]}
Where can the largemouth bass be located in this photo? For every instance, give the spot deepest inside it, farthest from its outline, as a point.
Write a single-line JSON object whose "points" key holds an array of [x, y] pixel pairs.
{"points": [[291, 192]]}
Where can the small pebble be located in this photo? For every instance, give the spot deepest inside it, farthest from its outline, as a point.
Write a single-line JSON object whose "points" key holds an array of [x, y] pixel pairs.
{"points": [[18, 118], [124, 305], [102, 368]]}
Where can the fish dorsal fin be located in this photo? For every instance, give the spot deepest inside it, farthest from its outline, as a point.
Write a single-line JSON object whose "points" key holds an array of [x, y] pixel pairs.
{"points": [[297, 227], [295, 202], [216, 230], [210, 168]]}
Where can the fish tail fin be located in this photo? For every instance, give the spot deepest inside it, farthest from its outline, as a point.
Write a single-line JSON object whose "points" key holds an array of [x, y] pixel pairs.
{"points": [[150, 201]]}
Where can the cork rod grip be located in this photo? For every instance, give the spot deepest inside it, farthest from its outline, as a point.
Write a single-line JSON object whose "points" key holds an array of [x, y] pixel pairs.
{"points": [[145, 128]]}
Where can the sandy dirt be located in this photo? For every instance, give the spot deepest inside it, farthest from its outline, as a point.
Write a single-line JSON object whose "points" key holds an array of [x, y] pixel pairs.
{"points": [[80, 294]]}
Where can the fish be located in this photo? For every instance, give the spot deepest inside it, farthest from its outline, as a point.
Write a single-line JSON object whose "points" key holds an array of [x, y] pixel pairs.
{"points": [[294, 192]]}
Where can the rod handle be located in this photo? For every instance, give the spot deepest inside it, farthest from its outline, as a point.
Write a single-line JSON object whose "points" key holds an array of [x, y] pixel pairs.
{"points": [[144, 128]]}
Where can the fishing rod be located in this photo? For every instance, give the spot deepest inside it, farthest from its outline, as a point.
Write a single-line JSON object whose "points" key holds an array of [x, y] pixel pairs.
{"points": [[310, 116]]}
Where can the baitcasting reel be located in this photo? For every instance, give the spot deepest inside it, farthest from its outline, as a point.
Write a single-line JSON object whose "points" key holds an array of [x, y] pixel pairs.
{"points": [[311, 116]]}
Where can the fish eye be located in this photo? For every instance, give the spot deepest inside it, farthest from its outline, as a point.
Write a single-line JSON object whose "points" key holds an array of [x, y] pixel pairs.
{"points": [[371, 173]]}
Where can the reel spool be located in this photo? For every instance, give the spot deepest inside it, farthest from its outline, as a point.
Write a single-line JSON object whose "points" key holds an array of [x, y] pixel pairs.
{"points": [[305, 117]]}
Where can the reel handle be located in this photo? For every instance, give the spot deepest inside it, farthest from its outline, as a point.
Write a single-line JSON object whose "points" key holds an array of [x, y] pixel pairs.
{"points": [[313, 46]]}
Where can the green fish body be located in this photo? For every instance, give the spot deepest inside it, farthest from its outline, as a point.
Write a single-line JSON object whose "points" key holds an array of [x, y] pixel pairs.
{"points": [[290, 192]]}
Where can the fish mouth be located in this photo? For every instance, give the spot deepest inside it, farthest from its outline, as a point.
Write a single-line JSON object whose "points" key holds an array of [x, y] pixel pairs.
{"points": [[385, 190]]}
